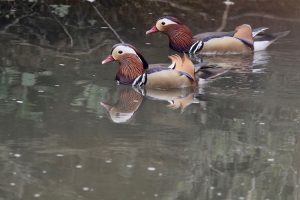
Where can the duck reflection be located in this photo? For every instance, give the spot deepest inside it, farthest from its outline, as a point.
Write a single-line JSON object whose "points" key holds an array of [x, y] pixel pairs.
{"points": [[177, 98], [247, 63], [129, 100]]}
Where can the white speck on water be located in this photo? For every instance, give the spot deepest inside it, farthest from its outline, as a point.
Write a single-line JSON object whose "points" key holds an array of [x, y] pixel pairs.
{"points": [[135, 101], [129, 166], [41, 91], [14, 173], [19, 101], [219, 194], [160, 174], [100, 116], [13, 99], [108, 161], [133, 28], [17, 155], [228, 2], [12, 184], [104, 27], [241, 198], [91, 1], [37, 195], [297, 186], [243, 123], [271, 159], [61, 64], [56, 85], [155, 195], [261, 123], [242, 184], [150, 13], [78, 166], [44, 172], [85, 189], [147, 43], [59, 155], [212, 187], [151, 168]]}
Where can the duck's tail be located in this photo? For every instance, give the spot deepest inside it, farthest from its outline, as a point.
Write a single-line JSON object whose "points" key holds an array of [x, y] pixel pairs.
{"points": [[257, 31], [263, 40]]}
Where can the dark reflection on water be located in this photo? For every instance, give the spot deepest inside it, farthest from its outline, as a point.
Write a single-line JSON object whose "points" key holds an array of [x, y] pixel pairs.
{"points": [[236, 137]]}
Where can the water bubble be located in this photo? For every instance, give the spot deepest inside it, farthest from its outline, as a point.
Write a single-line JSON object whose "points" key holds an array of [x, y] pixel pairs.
{"points": [[12, 184], [151, 168], [60, 155], [44, 172], [160, 174], [85, 189], [78, 166], [129, 166], [61, 64], [155, 195], [147, 43], [271, 159], [108, 161], [41, 91], [17, 155], [19, 101], [37, 195], [261, 123], [212, 187], [219, 194]]}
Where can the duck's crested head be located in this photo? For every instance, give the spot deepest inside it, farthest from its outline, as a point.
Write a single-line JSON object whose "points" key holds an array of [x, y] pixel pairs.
{"points": [[118, 51], [163, 23], [123, 51]]}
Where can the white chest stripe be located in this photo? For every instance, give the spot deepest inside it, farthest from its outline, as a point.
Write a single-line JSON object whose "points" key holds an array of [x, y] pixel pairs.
{"points": [[140, 80], [197, 46]]}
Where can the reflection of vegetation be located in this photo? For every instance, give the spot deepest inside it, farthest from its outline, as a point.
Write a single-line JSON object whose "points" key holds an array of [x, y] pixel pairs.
{"points": [[91, 97]]}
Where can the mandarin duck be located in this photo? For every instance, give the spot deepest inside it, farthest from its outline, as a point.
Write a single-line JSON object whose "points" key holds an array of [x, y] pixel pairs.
{"points": [[134, 70], [242, 40]]}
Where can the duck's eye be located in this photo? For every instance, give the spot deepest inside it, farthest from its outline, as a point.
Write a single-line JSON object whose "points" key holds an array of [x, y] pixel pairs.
{"points": [[163, 23], [120, 52]]}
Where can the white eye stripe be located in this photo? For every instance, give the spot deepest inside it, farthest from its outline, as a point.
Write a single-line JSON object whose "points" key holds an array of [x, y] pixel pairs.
{"points": [[166, 21], [122, 49]]}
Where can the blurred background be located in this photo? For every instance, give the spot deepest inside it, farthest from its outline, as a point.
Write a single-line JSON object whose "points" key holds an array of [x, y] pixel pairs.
{"points": [[238, 139]]}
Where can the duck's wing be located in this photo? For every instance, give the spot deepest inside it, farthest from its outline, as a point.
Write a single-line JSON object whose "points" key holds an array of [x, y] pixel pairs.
{"points": [[159, 65], [210, 35], [168, 79]]}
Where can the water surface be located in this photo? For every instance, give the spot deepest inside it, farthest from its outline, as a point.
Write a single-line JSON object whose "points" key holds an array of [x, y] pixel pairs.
{"points": [[235, 138]]}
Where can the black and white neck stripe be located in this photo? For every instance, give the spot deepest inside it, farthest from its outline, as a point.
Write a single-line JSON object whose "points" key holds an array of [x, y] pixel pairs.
{"points": [[140, 80], [196, 47]]}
